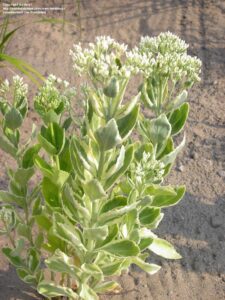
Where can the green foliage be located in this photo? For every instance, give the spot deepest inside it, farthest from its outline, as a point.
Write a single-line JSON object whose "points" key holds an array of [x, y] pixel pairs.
{"points": [[101, 194]]}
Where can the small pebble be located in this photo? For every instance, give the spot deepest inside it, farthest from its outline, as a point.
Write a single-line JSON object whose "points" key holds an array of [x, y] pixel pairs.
{"points": [[221, 173], [180, 168], [194, 155]]}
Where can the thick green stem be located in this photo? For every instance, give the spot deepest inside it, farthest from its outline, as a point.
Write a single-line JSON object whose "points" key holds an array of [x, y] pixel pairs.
{"points": [[101, 164]]}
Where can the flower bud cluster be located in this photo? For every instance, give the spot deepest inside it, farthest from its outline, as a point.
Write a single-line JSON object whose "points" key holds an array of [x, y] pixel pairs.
{"points": [[148, 169], [54, 92], [17, 88]]}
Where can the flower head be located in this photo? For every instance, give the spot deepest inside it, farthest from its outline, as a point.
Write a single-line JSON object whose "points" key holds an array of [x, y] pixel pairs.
{"points": [[53, 94]]}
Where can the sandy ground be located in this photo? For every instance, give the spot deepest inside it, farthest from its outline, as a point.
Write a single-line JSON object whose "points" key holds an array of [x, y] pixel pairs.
{"points": [[196, 226]]}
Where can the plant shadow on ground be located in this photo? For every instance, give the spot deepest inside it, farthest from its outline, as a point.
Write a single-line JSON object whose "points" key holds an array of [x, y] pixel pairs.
{"points": [[197, 231], [13, 288]]}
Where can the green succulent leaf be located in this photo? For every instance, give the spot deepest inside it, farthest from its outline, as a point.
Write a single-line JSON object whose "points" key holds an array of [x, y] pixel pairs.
{"points": [[68, 233], [116, 202], [7, 146], [127, 160], [170, 157], [178, 118], [94, 190], [33, 260], [13, 119], [164, 249], [99, 233], [108, 136], [113, 268], [168, 200], [58, 177], [149, 215], [50, 192], [149, 268], [11, 198], [51, 289], [159, 130], [61, 262], [28, 157], [108, 286], [87, 293], [127, 123], [121, 248], [22, 176], [15, 260], [52, 138]]}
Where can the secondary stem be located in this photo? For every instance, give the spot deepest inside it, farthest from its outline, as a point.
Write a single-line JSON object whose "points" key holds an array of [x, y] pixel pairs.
{"points": [[101, 164]]}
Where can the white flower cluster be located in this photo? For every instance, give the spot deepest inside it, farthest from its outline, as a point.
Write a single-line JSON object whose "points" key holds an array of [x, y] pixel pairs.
{"points": [[164, 55], [148, 170], [101, 59], [51, 96], [165, 42], [17, 90]]}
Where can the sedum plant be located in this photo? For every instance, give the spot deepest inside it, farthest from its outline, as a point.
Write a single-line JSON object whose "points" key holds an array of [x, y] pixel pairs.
{"points": [[93, 211]]}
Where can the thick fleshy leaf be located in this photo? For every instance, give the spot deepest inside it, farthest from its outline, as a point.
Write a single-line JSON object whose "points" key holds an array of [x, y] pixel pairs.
{"points": [[99, 233], [61, 262], [52, 138], [164, 249], [149, 215], [28, 157], [178, 118], [23, 230], [22, 176], [128, 107], [112, 89], [87, 293], [43, 222], [94, 190], [127, 160], [156, 190], [121, 248], [14, 259], [33, 260], [68, 233], [159, 130], [50, 289], [112, 269], [113, 231], [13, 119], [73, 209], [11, 198], [170, 157], [108, 136], [111, 217], [149, 268], [6, 146], [50, 192], [108, 286], [169, 200], [144, 243], [118, 201], [127, 123], [92, 270], [58, 177]]}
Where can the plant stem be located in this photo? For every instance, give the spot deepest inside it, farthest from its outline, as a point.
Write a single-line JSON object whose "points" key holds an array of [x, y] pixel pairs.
{"points": [[101, 164], [68, 281]]}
